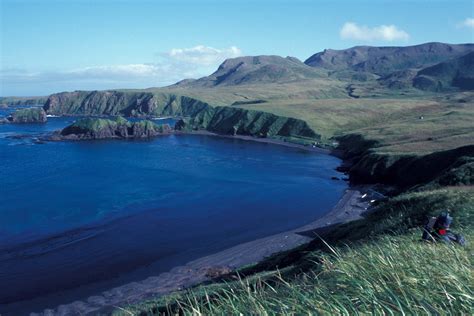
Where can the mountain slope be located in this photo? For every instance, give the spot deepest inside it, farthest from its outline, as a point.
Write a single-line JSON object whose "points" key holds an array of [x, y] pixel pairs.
{"points": [[385, 60], [454, 73], [256, 69]]}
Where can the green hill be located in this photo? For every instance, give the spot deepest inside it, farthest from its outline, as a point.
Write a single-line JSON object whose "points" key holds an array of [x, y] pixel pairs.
{"points": [[256, 69], [454, 73], [385, 60]]}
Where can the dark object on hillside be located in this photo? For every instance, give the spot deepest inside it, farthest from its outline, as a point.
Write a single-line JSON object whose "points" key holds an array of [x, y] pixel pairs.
{"points": [[438, 229]]}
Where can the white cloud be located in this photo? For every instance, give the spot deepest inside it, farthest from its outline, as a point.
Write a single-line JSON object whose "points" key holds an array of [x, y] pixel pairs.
{"points": [[389, 33], [469, 23], [170, 67], [203, 55]]}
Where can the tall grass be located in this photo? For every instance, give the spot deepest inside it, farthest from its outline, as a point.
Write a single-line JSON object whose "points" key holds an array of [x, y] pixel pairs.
{"points": [[391, 275]]}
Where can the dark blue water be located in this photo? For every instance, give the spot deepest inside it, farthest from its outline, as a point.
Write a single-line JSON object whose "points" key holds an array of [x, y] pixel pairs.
{"points": [[77, 218]]}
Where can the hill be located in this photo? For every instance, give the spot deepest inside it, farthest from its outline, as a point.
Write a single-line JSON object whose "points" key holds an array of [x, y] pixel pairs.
{"points": [[385, 60], [454, 73], [256, 69]]}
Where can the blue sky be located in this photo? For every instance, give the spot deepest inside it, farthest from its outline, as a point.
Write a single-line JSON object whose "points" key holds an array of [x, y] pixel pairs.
{"points": [[51, 46]]}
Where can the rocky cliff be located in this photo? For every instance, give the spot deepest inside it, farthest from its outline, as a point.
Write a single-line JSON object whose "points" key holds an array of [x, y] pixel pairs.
{"points": [[97, 128], [450, 167], [237, 121], [124, 103], [31, 115], [198, 114]]}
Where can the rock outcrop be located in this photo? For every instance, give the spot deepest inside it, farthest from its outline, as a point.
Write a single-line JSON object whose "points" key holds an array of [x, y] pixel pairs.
{"points": [[122, 103], [98, 128], [236, 121], [450, 167], [30, 115]]}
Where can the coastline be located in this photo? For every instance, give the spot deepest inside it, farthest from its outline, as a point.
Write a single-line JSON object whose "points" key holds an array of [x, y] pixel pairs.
{"points": [[350, 207], [272, 141]]}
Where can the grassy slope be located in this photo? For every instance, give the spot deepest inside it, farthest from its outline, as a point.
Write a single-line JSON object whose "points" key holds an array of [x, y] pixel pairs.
{"points": [[390, 118]]}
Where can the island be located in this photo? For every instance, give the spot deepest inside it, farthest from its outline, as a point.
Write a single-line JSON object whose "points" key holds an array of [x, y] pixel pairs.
{"points": [[29, 115], [100, 128]]}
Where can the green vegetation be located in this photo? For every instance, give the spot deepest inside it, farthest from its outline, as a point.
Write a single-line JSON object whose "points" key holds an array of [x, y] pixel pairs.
{"points": [[30, 115], [12, 101], [99, 128], [375, 265], [235, 121], [457, 72]]}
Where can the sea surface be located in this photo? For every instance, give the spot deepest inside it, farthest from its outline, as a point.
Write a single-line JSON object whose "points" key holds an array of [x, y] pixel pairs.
{"points": [[80, 217]]}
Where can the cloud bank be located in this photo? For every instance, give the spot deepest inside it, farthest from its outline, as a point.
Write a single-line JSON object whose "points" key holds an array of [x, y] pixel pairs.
{"points": [[203, 55], [170, 67], [469, 23], [388, 33]]}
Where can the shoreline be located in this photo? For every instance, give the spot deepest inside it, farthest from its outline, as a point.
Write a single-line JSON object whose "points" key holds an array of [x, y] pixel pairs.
{"points": [[350, 207], [272, 141]]}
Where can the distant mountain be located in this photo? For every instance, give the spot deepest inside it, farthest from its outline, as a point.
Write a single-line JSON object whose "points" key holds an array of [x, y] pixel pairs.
{"points": [[454, 73], [386, 60], [256, 69]]}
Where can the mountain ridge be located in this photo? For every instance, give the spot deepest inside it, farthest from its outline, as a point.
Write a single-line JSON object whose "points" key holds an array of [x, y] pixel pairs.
{"points": [[383, 60]]}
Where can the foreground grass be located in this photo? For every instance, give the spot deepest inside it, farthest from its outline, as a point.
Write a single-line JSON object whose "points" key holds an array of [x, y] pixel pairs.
{"points": [[382, 267], [389, 275]]}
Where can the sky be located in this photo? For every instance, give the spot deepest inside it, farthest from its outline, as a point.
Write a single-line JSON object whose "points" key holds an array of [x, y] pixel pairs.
{"points": [[50, 46]]}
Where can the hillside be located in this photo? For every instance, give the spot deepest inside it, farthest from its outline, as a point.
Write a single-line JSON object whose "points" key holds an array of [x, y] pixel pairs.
{"points": [[385, 60], [256, 69], [454, 73]]}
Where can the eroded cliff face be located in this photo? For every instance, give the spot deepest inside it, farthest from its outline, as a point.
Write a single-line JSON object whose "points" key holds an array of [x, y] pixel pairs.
{"points": [[450, 167], [199, 115], [125, 103], [31, 115], [96, 128], [236, 121]]}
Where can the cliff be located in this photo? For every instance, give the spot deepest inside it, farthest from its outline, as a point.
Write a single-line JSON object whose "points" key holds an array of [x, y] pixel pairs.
{"points": [[96, 128], [124, 103], [450, 167], [237, 121], [199, 115], [31, 115]]}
